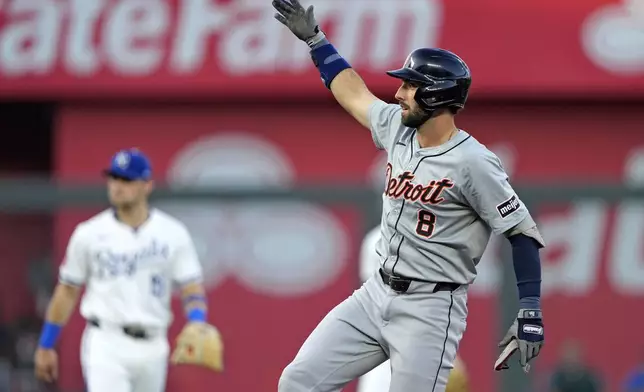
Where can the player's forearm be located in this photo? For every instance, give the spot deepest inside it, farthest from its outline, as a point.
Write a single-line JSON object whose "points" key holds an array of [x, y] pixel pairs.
{"points": [[62, 303], [193, 296], [352, 94], [526, 242], [347, 86], [59, 310], [527, 269]]}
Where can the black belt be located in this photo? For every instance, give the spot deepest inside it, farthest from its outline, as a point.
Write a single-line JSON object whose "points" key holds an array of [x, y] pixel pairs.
{"points": [[401, 284], [132, 331]]}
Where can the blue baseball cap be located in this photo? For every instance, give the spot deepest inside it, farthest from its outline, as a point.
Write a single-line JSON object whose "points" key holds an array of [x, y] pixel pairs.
{"points": [[130, 164]]}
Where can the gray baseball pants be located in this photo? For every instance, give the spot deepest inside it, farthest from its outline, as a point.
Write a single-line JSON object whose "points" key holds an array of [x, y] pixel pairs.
{"points": [[419, 330]]}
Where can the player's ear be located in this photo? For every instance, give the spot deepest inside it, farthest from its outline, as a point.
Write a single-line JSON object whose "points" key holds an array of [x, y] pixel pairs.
{"points": [[149, 186]]}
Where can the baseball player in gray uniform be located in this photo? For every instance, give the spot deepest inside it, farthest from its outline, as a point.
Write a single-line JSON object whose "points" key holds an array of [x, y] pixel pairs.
{"points": [[445, 194]]}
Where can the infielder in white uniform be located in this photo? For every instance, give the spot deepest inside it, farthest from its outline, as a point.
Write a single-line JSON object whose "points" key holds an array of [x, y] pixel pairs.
{"points": [[445, 194], [128, 258]]}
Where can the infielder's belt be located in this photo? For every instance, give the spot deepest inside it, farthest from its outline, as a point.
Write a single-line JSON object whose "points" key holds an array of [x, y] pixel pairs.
{"points": [[401, 284], [132, 331]]}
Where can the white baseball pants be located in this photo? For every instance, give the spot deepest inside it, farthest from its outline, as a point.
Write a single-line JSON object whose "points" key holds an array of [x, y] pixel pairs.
{"points": [[115, 362]]}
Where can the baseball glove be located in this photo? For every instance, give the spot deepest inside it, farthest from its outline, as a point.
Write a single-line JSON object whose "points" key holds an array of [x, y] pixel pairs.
{"points": [[199, 344]]}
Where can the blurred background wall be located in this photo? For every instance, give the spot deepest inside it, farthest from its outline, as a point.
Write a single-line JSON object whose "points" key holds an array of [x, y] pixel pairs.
{"points": [[221, 97]]}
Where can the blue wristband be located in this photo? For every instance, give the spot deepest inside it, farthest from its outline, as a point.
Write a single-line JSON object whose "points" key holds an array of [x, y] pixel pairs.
{"points": [[49, 335], [328, 62], [197, 314]]}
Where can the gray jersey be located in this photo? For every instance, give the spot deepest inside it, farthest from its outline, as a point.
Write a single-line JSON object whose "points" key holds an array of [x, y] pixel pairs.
{"points": [[440, 204]]}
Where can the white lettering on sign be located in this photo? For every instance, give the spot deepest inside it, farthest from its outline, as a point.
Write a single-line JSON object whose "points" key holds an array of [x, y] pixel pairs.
{"points": [[81, 57], [139, 37], [626, 265], [134, 36], [29, 44], [580, 234], [198, 20], [252, 45], [626, 257]]}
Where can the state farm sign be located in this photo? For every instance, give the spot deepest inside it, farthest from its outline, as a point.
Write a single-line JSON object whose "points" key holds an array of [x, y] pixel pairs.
{"points": [[141, 37], [65, 48]]}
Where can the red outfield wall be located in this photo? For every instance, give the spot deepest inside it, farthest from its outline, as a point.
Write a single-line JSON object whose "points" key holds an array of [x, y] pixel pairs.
{"points": [[274, 270]]}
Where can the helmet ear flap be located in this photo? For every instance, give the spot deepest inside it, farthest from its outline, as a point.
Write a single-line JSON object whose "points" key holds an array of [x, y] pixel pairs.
{"points": [[430, 99], [425, 98], [440, 95]]}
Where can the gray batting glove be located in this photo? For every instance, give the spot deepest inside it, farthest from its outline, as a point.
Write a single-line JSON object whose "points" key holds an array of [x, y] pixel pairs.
{"points": [[527, 329], [301, 22]]}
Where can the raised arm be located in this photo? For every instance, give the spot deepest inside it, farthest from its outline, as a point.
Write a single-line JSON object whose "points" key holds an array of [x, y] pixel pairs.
{"points": [[352, 94], [347, 86]]}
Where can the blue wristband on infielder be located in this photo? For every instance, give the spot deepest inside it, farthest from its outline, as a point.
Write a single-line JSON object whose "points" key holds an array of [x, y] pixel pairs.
{"points": [[49, 335], [328, 62], [530, 325], [197, 314]]}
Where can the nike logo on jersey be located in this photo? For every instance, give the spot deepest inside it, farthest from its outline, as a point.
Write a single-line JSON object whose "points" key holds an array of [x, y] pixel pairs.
{"points": [[403, 186]]}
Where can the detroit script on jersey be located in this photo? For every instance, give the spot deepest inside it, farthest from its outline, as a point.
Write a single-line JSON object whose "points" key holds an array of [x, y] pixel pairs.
{"points": [[403, 186], [440, 204]]}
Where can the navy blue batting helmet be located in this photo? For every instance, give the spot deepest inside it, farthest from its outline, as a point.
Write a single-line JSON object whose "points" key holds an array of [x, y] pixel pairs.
{"points": [[443, 79]]}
